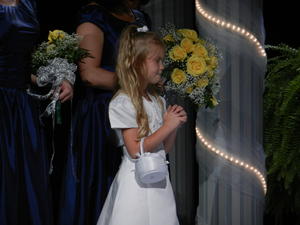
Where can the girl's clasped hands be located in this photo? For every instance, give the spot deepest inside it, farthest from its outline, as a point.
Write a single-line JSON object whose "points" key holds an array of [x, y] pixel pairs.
{"points": [[174, 117]]}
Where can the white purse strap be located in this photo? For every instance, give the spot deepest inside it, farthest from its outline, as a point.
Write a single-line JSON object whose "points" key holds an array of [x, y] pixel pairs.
{"points": [[141, 152], [142, 146]]}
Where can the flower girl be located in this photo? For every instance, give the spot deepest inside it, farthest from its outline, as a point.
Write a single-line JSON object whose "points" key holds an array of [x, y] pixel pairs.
{"points": [[140, 118]]}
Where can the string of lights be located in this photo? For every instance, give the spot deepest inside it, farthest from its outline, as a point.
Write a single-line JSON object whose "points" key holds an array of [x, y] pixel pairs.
{"points": [[230, 26], [233, 159]]}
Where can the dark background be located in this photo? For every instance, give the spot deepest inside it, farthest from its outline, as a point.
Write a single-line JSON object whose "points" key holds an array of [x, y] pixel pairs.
{"points": [[57, 14], [282, 22], [281, 19]]}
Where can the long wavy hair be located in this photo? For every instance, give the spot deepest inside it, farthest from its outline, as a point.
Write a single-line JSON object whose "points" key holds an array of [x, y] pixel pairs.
{"points": [[134, 48]]}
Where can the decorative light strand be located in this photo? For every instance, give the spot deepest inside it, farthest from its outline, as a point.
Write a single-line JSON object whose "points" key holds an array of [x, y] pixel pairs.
{"points": [[232, 159], [234, 28]]}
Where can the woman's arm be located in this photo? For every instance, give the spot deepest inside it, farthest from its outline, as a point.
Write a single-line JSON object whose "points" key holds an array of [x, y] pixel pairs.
{"points": [[90, 71]]}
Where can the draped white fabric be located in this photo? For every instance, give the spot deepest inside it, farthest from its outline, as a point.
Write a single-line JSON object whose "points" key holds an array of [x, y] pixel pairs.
{"points": [[229, 194]]}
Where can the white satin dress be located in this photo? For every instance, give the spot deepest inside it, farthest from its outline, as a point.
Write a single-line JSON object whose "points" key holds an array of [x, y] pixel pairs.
{"points": [[129, 202]]}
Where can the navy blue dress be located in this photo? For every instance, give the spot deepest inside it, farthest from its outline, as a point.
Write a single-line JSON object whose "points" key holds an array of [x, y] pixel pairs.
{"points": [[94, 160], [24, 165]]}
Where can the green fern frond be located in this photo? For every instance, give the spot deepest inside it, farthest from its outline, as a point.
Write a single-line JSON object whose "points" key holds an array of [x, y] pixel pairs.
{"points": [[282, 130]]}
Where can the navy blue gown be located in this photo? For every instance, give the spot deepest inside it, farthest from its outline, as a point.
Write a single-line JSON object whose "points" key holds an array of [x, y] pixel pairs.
{"points": [[94, 159], [24, 186]]}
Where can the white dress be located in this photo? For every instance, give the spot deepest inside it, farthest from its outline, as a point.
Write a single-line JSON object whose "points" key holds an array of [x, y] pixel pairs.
{"points": [[129, 202]]}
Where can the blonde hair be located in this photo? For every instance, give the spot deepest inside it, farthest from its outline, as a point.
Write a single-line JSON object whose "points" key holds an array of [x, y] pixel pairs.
{"points": [[133, 50]]}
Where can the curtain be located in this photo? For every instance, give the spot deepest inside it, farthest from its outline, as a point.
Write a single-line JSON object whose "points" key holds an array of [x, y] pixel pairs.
{"points": [[229, 193]]}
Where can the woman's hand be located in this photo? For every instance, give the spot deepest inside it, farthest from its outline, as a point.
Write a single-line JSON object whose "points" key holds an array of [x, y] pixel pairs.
{"points": [[66, 91], [33, 79]]}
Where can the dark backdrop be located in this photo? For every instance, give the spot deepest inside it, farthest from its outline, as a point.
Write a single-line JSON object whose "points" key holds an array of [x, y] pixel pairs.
{"points": [[282, 22], [57, 14]]}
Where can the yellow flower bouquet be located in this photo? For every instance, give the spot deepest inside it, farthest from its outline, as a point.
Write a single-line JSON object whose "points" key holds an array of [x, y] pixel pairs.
{"points": [[191, 65], [59, 45], [54, 61]]}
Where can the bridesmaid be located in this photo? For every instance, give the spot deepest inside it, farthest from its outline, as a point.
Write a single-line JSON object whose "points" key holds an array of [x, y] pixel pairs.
{"points": [[24, 185], [24, 166], [94, 160]]}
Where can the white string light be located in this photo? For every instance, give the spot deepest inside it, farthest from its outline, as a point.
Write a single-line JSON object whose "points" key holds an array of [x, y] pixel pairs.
{"points": [[232, 159], [234, 28]]}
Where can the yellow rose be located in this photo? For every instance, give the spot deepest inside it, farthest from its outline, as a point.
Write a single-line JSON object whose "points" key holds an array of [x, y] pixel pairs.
{"points": [[189, 90], [177, 53], [168, 37], [178, 76], [210, 73], [188, 33], [202, 82], [187, 44], [196, 66], [214, 101], [200, 50], [200, 41], [55, 35], [212, 62]]}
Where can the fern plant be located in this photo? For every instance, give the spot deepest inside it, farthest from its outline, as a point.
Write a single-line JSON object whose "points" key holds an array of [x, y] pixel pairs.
{"points": [[282, 132]]}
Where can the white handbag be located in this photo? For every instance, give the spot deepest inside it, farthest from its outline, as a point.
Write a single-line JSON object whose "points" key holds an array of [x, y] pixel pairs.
{"points": [[150, 167]]}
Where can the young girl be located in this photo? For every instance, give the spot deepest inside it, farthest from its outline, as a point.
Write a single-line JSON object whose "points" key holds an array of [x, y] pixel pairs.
{"points": [[137, 112]]}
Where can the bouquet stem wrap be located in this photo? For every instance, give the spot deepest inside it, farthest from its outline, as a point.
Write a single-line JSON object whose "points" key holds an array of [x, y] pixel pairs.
{"points": [[54, 73]]}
